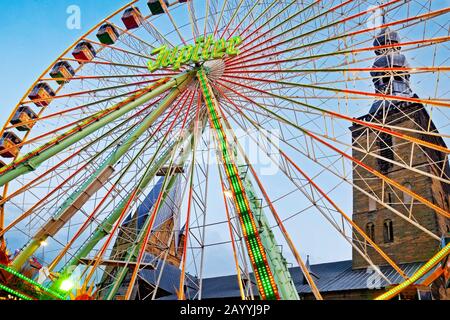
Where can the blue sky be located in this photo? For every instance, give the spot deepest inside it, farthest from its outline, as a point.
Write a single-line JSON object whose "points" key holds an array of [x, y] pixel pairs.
{"points": [[34, 33]]}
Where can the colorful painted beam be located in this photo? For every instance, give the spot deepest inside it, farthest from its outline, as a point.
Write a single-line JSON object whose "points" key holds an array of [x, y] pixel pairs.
{"points": [[277, 262], [263, 274], [79, 198], [34, 159], [427, 267]]}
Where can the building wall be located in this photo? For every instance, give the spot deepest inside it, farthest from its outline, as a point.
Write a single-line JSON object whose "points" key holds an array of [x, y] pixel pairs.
{"points": [[410, 243]]}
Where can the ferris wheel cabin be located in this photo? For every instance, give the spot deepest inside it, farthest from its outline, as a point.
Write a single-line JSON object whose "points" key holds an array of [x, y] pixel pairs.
{"points": [[9, 145], [23, 118], [132, 18], [62, 70], [108, 34], [156, 7], [84, 52], [42, 94]]}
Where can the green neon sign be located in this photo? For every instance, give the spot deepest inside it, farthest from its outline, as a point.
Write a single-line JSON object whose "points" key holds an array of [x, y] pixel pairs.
{"points": [[205, 49]]}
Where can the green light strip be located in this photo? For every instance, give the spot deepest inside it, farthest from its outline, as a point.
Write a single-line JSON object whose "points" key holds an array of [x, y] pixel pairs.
{"points": [[419, 274], [21, 276], [13, 292], [264, 276]]}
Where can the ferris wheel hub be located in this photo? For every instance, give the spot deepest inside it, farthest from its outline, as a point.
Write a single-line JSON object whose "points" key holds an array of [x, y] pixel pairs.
{"points": [[214, 69]]}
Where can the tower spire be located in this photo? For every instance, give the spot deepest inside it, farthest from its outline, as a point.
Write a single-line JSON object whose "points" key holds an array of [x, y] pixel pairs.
{"points": [[387, 82]]}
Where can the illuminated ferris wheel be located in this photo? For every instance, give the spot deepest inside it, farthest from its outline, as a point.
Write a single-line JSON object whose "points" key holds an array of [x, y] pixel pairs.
{"points": [[168, 124]]}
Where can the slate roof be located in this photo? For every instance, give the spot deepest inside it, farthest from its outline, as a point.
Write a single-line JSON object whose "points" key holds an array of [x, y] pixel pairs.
{"points": [[339, 276], [170, 277], [333, 276]]}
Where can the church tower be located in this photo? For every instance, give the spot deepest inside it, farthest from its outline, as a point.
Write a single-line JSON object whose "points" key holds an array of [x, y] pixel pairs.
{"points": [[381, 210]]}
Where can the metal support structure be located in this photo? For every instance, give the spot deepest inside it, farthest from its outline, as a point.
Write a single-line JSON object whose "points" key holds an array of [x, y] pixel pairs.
{"points": [[97, 180], [87, 127], [277, 262], [134, 250], [264, 276], [106, 226]]}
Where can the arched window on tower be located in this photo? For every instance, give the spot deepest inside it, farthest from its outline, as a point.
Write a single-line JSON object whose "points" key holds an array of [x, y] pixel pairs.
{"points": [[385, 145], [388, 231], [372, 204], [370, 231], [407, 199], [388, 196]]}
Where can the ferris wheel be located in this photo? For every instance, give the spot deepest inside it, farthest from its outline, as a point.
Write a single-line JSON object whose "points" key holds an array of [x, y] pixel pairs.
{"points": [[172, 133]]}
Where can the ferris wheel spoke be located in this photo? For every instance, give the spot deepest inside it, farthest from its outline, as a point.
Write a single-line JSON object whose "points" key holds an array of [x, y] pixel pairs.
{"points": [[193, 20], [379, 128], [181, 291], [303, 35], [345, 178], [435, 102], [155, 32], [68, 111], [138, 75], [267, 22], [398, 70], [35, 181], [108, 63], [295, 58], [280, 224], [426, 16], [172, 21], [88, 93], [91, 186], [117, 49], [231, 20], [262, 14], [88, 126], [120, 211], [206, 17], [219, 19], [325, 196], [144, 44], [193, 246], [324, 213], [151, 220], [249, 12], [49, 134], [108, 223], [359, 163], [44, 199], [122, 272], [112, 217]]}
